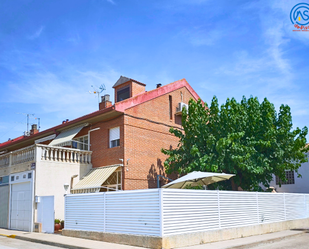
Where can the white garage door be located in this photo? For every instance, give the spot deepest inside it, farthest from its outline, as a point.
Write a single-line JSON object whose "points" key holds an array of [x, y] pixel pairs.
{"points": [[21, 207]]}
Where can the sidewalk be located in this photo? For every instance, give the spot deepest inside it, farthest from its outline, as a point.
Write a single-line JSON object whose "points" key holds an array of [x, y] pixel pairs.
{"points": [[76, 243], [249, 242], [62, 241]]}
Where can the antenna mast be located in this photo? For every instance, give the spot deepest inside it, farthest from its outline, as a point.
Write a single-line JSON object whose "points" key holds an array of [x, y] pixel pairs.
{"points": [[28, 116], [98, 90]]}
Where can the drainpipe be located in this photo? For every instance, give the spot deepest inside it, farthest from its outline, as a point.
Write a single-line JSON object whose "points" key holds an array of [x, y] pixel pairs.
{"points": [[158, 179], [95, 129]]}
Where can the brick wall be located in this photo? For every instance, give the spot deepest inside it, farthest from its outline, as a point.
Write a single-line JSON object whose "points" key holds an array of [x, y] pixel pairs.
{"points": [[146, 132], [137, 89], [102, 155]]}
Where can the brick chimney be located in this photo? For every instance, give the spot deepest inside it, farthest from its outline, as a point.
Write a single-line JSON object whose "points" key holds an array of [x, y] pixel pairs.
{"points": [[34, 129], [105, 102]]}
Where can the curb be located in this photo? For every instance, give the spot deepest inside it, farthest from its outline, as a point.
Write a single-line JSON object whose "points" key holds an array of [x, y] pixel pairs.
{"points": [[244, 246], [50, 243], [268, 241]]}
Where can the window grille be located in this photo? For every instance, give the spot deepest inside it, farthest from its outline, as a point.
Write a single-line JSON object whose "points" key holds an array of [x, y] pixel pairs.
{"points": [[289, 175]]}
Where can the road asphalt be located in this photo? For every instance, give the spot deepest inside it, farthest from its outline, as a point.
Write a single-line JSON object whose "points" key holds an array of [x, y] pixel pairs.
{"points": [[77, 243]]}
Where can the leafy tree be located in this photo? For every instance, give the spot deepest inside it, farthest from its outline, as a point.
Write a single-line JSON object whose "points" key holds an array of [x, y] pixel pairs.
{"points": [[248, 139]]}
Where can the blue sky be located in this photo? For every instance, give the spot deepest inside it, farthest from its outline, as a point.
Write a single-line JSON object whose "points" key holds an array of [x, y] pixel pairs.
{"points": [[51, 52]]}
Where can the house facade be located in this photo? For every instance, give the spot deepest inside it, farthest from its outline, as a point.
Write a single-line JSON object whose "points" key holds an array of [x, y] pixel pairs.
{"points": [[117, 147], [293, 184]]}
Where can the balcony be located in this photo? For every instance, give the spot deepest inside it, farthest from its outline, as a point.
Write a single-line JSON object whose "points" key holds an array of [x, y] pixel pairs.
{"points": [[39, 152]]}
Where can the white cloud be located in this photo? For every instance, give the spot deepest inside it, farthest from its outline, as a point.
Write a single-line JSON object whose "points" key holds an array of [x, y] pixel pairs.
{"points": [[203, 37], [111, 1], [63, 95], [36, 34]]}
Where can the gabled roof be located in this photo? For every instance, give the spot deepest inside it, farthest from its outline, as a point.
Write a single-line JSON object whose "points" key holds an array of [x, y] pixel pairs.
{"points": [[124, 79], [146, 96], [113, 111]]}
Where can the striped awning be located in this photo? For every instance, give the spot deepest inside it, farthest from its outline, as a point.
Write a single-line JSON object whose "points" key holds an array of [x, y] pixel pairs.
{"points": [[65, 137], [96, 177]]}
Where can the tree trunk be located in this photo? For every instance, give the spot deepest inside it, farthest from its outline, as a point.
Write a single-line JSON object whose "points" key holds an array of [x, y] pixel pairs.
{"points": [[234, 185]]}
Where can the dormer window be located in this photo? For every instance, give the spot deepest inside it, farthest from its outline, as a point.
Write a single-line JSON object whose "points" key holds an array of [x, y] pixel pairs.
{"points": [[123, 93], [126, 88]]}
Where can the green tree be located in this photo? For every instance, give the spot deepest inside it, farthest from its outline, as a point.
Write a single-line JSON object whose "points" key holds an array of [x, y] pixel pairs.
{"points": [[248, 139]]}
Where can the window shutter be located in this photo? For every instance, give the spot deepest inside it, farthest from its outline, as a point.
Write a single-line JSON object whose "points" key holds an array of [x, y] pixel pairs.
{"points": [[114, 134]]}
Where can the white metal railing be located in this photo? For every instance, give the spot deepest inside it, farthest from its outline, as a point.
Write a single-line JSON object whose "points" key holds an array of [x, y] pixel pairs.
{"points": [[46, 153], [61, 154], [165, 212]]}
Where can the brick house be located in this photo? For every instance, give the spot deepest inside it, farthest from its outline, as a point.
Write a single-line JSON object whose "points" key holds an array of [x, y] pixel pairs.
{"points": [[117, 147]]}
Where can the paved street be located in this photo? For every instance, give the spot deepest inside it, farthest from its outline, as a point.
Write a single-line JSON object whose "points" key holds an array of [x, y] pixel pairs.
{"points": [[9, 243], [299, 242]]}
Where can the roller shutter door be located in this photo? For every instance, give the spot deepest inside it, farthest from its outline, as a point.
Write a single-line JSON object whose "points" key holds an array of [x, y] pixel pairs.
{"points": [[4, 206]]}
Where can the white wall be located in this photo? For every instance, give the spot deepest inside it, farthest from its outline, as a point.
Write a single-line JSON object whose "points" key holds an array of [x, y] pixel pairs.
{"points": [[50, 178], [301, 184]]}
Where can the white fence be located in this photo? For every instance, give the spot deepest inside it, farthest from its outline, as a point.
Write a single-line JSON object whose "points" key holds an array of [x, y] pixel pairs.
{"points": [[163, 212], [135, 212]]}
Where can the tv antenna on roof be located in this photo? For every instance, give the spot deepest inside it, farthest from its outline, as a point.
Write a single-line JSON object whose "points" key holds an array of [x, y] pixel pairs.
{"points": [[98, 90], [28, 115]]}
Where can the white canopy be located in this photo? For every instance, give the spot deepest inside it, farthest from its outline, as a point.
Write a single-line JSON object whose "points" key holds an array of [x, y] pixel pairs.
{"points": [[198, 178], [65, 137]]}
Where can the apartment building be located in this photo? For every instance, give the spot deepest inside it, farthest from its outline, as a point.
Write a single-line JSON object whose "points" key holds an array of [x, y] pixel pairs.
{"points": [[117, 147]]}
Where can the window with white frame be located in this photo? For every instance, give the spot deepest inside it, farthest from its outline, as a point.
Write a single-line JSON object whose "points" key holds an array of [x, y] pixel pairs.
{"points": [[80, 143], [114, 137]]}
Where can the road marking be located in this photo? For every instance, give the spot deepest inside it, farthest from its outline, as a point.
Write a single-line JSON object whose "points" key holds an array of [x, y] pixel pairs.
{"points": [[9, 236]]}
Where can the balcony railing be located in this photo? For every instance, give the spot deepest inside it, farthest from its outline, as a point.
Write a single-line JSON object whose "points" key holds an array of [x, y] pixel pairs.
{"points": [[23, 155], [41, 152], [4, 160], [61, 154]]}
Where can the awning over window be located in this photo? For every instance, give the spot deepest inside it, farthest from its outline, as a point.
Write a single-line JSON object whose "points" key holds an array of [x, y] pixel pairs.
{"points": [[65, 137], [96, 177]]}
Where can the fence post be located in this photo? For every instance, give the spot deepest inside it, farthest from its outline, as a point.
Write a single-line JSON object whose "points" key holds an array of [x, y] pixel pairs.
{"points": [[161, 212], [284, 206], [104, 212], [257, 207], [305, 206], [219, 216]]}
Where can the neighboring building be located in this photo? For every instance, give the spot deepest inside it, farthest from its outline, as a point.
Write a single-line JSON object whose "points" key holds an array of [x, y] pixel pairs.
{"points": [[293, 184], [117, 147]]}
